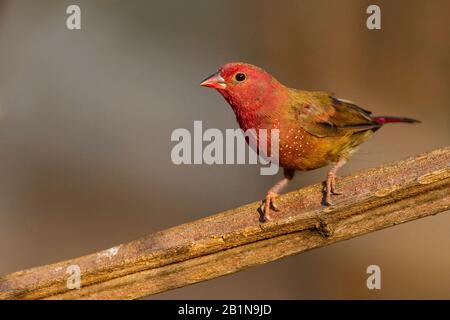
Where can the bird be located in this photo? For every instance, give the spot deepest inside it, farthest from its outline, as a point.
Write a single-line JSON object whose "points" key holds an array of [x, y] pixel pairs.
{"points": [[316, 128]]}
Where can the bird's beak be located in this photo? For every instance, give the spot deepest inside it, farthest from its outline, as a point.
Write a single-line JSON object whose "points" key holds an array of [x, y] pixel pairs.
{"points": [[214, 81]]}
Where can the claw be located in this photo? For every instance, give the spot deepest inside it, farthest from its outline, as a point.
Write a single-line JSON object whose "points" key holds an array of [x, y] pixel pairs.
{"points": [[328, 201], [269, 203], [274, 204], [334, 191], [333, 187]]}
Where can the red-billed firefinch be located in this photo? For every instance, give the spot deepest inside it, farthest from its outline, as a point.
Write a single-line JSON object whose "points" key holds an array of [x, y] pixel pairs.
{"points": [[315, 128]]}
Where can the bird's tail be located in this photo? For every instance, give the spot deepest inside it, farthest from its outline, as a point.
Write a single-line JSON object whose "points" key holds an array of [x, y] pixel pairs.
{"points": [[387, 119]]}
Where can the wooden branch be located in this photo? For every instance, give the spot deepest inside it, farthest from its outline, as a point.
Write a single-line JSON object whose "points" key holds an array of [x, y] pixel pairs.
{"points": [[234, 240]]}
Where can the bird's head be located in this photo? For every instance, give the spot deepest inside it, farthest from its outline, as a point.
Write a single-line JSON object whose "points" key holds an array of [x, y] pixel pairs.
{"points": [[244, 86]]}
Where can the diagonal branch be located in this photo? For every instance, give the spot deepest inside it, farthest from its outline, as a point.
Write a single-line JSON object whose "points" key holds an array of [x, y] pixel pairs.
{"points": [[234, 240]]}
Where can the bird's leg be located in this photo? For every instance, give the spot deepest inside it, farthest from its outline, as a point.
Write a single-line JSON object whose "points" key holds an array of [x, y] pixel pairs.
{"points": [[272, 194], [331, 181]]}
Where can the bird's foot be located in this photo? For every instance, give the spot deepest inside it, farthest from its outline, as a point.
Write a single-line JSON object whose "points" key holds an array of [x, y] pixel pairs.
{"points": [[328, 201], [269, 203], [330, 186], [333, 187], [330, 190]]}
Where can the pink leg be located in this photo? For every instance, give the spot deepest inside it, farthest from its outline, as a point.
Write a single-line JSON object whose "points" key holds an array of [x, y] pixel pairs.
{"points": [[269, 202], [331, 181]]}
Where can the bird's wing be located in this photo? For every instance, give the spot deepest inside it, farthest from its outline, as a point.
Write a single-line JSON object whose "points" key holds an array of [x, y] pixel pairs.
{"points": [[323, 115]]}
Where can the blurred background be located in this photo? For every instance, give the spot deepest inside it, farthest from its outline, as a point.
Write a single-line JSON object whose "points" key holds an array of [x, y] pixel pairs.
{"points": [[87, 117]]}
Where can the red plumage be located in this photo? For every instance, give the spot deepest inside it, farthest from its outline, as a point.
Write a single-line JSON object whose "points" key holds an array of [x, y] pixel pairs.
{"points": [[316, 128]]}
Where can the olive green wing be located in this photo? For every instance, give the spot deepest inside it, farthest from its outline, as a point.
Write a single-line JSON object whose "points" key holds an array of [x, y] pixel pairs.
{"points": [[323, 115]]}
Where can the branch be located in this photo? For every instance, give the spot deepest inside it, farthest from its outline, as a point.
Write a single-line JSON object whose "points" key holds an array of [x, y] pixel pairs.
{"points": [[234, 240]]}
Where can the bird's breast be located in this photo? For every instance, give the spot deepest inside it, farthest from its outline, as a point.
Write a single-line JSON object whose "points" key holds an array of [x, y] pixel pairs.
{"points": [[297, 149]]}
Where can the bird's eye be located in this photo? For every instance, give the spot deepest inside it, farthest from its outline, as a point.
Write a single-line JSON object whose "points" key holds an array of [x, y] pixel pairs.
{"points": [[239, 77]]}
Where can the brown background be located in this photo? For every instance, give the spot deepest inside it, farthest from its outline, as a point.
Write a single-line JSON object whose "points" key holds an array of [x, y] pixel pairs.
{"points": [[87, 117]]}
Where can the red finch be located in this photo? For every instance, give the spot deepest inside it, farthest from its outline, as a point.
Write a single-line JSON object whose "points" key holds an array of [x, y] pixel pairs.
{"points": [[315, 128]]}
